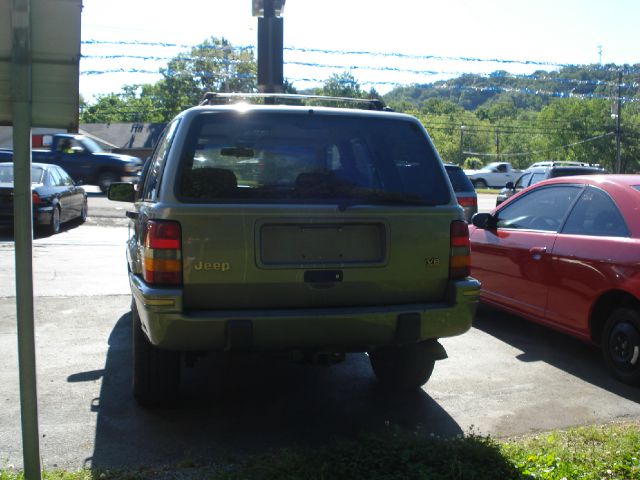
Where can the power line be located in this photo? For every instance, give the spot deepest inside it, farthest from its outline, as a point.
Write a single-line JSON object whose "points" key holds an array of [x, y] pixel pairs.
{"points": [[445, 86], [426, 72], [374, 54], [429, 57], [431, 125], [533, 77], [553, 149], [159, 44], [341, 52]]}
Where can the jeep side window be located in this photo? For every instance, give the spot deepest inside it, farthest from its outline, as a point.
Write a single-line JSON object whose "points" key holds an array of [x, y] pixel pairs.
{"points": [[152, 180]]}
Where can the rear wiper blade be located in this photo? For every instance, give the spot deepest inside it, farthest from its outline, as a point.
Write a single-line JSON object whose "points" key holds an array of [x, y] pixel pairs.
{"points": [[384, 199], [400, 199]]}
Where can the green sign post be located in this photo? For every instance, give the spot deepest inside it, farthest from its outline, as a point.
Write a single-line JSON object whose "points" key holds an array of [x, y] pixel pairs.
{"points": [[39, 71]]}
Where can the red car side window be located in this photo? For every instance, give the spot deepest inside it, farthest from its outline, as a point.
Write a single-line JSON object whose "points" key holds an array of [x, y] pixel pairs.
{"points": [[542, 209], [596, 214]]}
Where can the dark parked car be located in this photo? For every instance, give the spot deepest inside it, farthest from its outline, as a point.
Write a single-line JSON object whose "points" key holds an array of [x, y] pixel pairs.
{"points": [[536, 174], [85, 161], [56, 198], [464, 189], [564, 253]]}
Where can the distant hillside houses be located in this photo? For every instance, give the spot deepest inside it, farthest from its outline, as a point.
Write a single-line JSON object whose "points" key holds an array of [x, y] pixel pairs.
{"points": [[137, 139]]}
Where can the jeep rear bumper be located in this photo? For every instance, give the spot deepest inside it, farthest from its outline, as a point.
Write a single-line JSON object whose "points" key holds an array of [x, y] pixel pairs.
{"points": [[349, 329]]}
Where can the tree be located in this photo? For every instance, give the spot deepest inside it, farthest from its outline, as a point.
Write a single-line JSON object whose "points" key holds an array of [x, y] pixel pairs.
{"points": [[213, 66], [472, 163], [343, 85], [136, 103], [630, 141], [583, 131], [439, 106]]}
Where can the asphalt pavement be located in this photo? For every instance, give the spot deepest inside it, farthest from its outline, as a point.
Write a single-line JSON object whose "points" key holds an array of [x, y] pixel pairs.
{"points": [[504, 377]]}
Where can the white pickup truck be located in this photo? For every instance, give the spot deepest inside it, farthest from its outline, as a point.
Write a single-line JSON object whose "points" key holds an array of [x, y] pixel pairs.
{"points": [[494, 175]]}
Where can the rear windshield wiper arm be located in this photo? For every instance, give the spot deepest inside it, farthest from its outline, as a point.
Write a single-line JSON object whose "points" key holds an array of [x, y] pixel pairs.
{"points": [[384, 199]]}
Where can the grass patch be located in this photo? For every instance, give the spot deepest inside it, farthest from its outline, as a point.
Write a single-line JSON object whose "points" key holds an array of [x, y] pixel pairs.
{"points": [[598, 452], [610, 452]]}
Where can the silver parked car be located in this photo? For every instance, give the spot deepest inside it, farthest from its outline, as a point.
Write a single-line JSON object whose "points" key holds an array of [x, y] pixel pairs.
{"points": [[534, 175]]}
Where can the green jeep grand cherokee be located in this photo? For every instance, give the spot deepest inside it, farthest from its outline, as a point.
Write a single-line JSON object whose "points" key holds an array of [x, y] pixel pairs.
{"points": [[304, 230]]}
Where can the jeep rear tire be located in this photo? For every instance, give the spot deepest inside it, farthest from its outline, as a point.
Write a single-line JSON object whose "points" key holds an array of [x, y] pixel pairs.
{"points": [[156, 372], [406, 367]]}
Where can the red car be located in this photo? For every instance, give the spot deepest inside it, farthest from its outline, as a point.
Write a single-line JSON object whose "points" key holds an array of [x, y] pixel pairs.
{"points": [[566, 253]]}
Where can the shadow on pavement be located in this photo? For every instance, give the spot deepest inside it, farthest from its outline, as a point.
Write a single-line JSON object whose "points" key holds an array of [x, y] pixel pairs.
{"points": [[250, 405], [539, 343], [6, 233]]}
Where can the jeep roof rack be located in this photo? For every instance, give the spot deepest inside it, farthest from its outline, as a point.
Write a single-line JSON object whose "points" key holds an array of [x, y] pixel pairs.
{"points": [[214, 98]]}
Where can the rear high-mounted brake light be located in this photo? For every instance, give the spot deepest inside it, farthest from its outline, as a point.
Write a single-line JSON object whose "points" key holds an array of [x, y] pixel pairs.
{"points": [[460, 261], [163, 253]]}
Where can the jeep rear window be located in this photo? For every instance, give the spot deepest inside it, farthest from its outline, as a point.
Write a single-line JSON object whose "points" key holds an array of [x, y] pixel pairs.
{"points": [[274, 157]]}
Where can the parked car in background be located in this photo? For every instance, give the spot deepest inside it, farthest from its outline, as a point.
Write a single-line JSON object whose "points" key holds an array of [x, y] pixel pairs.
{"points": [[494, 175], [551, 163], [464, 190], [85, 161], [533, 175], [564, 253], [56, 198], [306, 231]]}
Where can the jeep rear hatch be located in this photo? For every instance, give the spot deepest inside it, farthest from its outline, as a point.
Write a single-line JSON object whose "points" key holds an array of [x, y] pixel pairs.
{"points": [[312, 209]]}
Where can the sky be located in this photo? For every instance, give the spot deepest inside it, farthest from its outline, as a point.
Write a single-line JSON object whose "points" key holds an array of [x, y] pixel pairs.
{"points": [[397, 39]]}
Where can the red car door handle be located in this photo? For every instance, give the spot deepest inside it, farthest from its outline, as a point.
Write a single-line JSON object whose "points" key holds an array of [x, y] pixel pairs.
{"points": [[537, 252]]}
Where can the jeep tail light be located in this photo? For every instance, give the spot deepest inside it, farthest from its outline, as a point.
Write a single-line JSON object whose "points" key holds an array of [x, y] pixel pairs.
{"points": [[460, 261], [162, 253], [468, 201], [35, 199]]}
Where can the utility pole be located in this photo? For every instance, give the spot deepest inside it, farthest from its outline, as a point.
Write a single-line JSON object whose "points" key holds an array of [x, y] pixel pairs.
{"points": [[227, 75], [618, 115], [498, 144], [270, 44]]}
